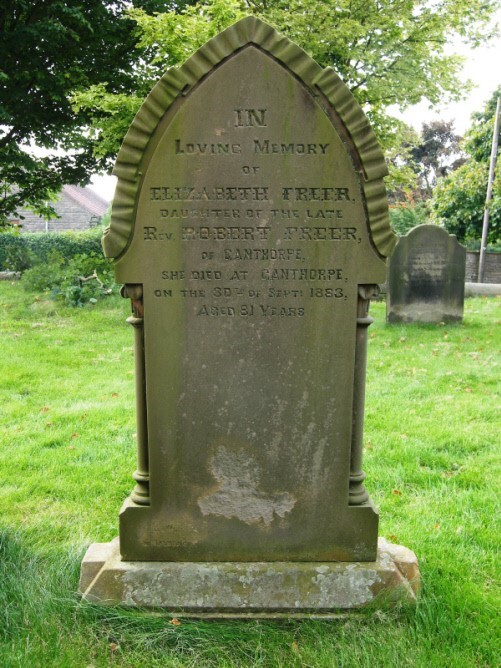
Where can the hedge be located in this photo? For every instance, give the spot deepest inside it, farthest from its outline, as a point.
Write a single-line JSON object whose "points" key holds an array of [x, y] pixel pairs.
{"points": [[21, 251]]}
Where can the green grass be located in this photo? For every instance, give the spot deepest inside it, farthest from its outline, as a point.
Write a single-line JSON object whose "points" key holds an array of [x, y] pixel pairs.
{"points": [[67, 453]]}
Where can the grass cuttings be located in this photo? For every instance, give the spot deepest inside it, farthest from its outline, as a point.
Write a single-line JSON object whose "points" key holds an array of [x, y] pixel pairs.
{"points": [[67, 453]]}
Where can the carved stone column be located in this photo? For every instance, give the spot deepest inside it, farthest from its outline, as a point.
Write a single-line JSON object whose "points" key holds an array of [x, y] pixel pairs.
{"points": [[357, 492], [141, 492]]}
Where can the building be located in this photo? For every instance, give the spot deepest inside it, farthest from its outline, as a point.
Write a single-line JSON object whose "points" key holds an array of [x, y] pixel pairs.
{"points": [[78, 209]]}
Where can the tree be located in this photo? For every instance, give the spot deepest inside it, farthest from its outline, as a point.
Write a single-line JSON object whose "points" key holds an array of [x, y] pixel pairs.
{"points": [[420, 160], [388, 52], [437, 153], [458, 199], [479, 136], [48, 50]]}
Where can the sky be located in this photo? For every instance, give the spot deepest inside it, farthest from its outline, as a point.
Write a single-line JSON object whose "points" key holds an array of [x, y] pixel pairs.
{"points": [[482, 66]]}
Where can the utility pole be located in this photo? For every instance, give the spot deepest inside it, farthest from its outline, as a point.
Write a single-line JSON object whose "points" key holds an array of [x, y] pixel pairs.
{"points": [[492, 169]]}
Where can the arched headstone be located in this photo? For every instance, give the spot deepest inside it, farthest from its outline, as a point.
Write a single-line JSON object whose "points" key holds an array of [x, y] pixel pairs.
{"points": [[426, 277], [250, 228]]}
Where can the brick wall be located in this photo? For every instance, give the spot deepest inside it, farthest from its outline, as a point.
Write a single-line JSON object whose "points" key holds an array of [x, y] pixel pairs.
{"points": [[73, 217], [492, 270]]}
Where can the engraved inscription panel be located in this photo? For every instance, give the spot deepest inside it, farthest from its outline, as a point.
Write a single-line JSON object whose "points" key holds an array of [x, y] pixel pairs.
{"points": [[252, 229]]}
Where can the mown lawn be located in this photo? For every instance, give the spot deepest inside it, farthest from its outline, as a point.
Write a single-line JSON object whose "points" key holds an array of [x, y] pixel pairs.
{"points": [[67, 453]]}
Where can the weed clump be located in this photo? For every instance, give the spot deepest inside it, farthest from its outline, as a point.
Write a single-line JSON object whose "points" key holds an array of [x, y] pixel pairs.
{"points": [[76, 281]]}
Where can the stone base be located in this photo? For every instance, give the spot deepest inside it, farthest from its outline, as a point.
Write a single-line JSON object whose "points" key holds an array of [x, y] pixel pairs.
{"points": [[482, 289], [247, 589]]}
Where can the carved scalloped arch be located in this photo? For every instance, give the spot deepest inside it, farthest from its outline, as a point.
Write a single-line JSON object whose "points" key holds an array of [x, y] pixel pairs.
{"points": [[177, 81]]}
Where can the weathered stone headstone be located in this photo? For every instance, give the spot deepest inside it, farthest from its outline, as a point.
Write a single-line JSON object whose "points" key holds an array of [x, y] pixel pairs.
{"points": [[426, 277], [250, 228]]}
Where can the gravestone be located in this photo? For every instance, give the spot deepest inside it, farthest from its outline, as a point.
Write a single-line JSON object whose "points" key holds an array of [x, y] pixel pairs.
{"points": [[250, 229], [426, 277]]}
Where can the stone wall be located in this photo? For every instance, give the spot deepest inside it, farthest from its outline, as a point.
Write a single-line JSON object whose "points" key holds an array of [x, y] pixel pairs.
{"points": [[492, 272]]}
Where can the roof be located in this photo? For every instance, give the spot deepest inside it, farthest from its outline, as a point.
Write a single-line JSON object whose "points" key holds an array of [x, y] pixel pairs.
{"points": [[87, 198]]}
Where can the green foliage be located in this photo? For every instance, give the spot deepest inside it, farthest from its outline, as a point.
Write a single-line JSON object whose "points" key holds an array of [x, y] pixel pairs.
{"points": [[404, 216], [67, 452], [118, 109], [419, 159], [387, 53], [57, 262], [459, 199], [14, 252], [76, 281], [49, 50], [20, 251], [403, 180], [105, 219], [67, 243], [47, 275], [479, 137]]}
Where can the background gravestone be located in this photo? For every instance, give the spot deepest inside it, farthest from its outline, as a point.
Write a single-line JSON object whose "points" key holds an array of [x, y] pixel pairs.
{"points": [[250, 228], [426, 277]]}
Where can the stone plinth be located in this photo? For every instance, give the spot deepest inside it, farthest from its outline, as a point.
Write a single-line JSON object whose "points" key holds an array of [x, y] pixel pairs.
{"points": [[248, 589]]}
